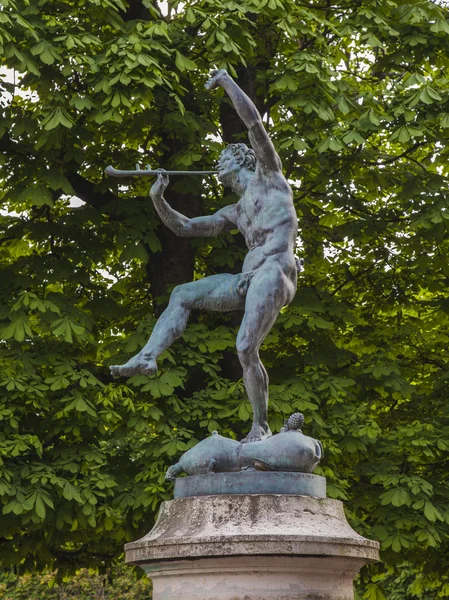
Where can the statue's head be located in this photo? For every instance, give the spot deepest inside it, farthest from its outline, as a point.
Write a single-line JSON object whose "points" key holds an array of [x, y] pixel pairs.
{"points": [[234, 159]]}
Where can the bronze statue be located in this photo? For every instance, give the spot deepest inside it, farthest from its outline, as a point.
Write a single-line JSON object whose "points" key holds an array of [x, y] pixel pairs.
{"points": [[266, 217]]}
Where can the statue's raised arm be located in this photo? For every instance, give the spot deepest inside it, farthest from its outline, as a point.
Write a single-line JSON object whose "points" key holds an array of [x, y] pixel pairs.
{"points": [[266, 155]]}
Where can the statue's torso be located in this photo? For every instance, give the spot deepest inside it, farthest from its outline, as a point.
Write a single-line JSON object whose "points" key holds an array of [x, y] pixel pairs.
{"points": [[267, 219]]}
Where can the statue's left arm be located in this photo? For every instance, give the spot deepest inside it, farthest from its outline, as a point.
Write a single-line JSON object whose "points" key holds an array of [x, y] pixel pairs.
{"points": [[209, 226], [266, 155]]}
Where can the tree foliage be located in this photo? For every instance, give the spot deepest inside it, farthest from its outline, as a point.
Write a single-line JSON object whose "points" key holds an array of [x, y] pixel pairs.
{"points": [[84, 584], [356, 97]]}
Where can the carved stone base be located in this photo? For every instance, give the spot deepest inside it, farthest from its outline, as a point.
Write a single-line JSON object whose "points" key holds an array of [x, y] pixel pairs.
{"points": [[252, 547]]}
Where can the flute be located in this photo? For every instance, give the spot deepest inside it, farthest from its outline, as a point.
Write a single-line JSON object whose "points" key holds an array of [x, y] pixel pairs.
{"points": [[148, 171]]}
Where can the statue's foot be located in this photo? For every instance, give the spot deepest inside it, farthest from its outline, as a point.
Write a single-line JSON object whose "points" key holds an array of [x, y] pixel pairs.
{"points": [[148, 365], [139, 364], [257, 434]]}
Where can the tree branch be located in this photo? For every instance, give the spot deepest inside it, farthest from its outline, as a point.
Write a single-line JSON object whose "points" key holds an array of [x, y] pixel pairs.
{"points": [[85, 190], [394, 158]]}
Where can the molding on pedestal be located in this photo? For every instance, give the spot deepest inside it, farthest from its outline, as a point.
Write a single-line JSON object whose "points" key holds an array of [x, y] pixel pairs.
{"points": [[250, 525]]}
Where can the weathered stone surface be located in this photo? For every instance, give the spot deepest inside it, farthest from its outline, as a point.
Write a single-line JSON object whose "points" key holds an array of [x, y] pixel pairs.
{"points": [[252, 547], [251, 482], [256, 578], [230, 525]]}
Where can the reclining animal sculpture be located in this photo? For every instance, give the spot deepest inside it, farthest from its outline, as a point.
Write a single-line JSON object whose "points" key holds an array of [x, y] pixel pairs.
{"points": [[289, 450]]}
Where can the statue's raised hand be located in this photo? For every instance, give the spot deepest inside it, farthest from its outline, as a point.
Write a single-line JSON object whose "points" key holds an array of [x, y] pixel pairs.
{"points": [[160, 185], [214, 81]]}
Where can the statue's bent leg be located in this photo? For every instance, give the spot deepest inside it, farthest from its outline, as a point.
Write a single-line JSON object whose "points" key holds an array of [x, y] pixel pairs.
{"points": [[268, 292], [218, 292]]}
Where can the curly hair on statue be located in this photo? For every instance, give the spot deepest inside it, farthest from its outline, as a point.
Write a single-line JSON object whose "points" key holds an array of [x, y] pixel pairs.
{"points": [[245, 156]]}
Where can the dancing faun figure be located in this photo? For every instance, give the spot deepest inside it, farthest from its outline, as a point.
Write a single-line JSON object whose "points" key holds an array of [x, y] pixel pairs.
{"points": [[266, 217]]}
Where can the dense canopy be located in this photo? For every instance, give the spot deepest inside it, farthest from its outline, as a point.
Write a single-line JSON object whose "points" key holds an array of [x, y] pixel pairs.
{"points": [[355, 95]]}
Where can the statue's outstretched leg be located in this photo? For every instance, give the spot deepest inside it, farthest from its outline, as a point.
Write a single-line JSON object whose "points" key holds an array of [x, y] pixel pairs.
{"points": [[268, 292], [218, 293]]}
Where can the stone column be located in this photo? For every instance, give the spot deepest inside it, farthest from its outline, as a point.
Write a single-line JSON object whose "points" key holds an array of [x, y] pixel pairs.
{"points": [[252, 547]]}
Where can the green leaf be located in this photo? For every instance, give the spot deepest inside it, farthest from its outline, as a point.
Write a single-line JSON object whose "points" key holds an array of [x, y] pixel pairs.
{"points": [[343, 105], [17, 329], [58, 117], [62, 327], [190, 16], [40, 196], [431, 513], [374, 593], [183, 63], [353, 136], [321, 323], [39, 507], [244, 413], [286, 82]]}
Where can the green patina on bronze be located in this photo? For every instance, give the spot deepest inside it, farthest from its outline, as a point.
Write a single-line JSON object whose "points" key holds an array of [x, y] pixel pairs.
{"points": [[266, 217]]}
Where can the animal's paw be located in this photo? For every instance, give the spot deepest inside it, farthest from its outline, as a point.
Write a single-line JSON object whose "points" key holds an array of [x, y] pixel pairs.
{"points": [[173, 472]]}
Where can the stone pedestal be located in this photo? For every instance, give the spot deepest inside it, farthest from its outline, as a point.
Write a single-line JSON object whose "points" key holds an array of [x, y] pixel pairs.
{"points": [[252, 547]]}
